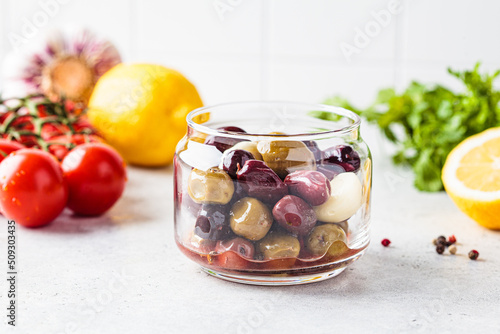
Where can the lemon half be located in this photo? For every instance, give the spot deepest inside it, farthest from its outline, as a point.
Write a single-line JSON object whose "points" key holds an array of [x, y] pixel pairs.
{"points": [[471, 177]]}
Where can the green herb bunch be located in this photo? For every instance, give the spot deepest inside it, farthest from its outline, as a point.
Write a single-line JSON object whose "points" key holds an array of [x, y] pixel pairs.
{"points": [[427, 122]]}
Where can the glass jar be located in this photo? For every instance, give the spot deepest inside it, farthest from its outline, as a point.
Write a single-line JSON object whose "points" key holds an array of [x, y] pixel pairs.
{"points": [[267, 193]]}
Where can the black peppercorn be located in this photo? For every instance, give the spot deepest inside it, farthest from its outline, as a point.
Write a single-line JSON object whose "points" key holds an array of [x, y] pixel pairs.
{"points": [[441, 240], [473, 254], [440, 248]]}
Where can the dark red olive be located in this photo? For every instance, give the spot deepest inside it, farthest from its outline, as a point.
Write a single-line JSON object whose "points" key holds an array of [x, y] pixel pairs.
{"points": [[311, 186], [221, 143], [190, 205], [231, 129], [224, 143], [261, 182], [213, 222], [343, 155], [330, 170], [233, 160], [239, 192], [240, 246], [295, 215], [313, 147]]}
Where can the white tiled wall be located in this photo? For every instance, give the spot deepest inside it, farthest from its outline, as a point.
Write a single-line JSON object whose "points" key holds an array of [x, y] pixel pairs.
{"points": [[283, 49]]}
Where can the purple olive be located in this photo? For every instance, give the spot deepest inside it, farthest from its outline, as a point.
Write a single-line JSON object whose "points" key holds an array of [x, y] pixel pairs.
{"points": [[331, 170], [221, 143], [233, 160], [213, 222], [312, 186], [231, 129], [261, 182], [343, 155], [224, 143], [295, 215], [240, 246], [313, 147], [239, 192], [190, 205]]}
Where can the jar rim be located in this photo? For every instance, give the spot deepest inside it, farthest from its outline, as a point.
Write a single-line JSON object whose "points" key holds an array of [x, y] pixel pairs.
{"points": [[339, 111]]}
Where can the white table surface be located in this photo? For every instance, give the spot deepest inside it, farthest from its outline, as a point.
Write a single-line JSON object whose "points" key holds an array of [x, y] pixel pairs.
{"points": [[122, 273]]}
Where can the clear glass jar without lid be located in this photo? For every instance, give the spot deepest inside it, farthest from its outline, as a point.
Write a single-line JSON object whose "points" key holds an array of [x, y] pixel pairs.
{"points": [[267, 193]]}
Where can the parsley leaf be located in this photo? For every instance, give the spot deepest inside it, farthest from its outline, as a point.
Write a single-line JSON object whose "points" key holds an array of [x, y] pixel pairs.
{"points": [[427, 122]]}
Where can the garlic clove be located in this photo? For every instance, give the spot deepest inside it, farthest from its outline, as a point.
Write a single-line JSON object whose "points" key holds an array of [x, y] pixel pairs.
{"points": [[344, 201]]}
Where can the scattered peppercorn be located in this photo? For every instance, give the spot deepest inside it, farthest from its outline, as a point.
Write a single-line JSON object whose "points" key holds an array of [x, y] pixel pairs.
{"points": [[386, 242], [452, 239], [441, 240], [435, 242], [473, 254], [452, 249], [440, 248]]}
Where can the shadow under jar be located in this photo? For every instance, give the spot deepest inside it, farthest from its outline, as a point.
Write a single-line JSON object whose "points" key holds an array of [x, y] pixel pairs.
{"points": [[266, 193]]}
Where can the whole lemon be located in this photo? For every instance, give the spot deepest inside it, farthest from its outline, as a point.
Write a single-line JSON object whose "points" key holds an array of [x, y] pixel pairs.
{"points": [[140, 109]]}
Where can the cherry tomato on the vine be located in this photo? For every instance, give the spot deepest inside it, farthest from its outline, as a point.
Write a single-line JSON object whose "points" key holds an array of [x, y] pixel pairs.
{"points": [[7, 147], [96, 177], [33, 191], [60, 151]]}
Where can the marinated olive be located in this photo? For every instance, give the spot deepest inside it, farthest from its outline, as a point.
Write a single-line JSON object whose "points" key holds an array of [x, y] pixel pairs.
{"points": [[240, 246], [277, 245], [221, 143], [259, 181], [231, 129], [250, 218], [313, 147], [200, 245], [224, 143], [330, 170], [190, 205], [344, 225], [344, 201], [312, 186], [233, 160], [248, 146], [285, 157], [212, 222], [294, 215], [343, 155], [326, 237], [239, 192], [211, 186]]}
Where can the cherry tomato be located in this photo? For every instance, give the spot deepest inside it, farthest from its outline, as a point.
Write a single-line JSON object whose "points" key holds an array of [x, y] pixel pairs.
{"points": [[7, 147], [60, 151], [33, 191], [96, 178]]}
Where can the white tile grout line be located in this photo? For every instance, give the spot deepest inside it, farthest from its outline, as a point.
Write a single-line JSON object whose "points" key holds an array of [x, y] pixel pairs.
{"points": [[264, 51]]}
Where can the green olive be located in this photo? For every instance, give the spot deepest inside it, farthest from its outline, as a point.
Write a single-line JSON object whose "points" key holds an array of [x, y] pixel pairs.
{"points": [[325, 238], [278, 245], [284, 157], [213, 186], [250, 218]]}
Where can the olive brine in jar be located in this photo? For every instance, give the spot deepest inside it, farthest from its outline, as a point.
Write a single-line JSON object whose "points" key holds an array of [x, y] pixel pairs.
{"points": [[267, 193]]}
